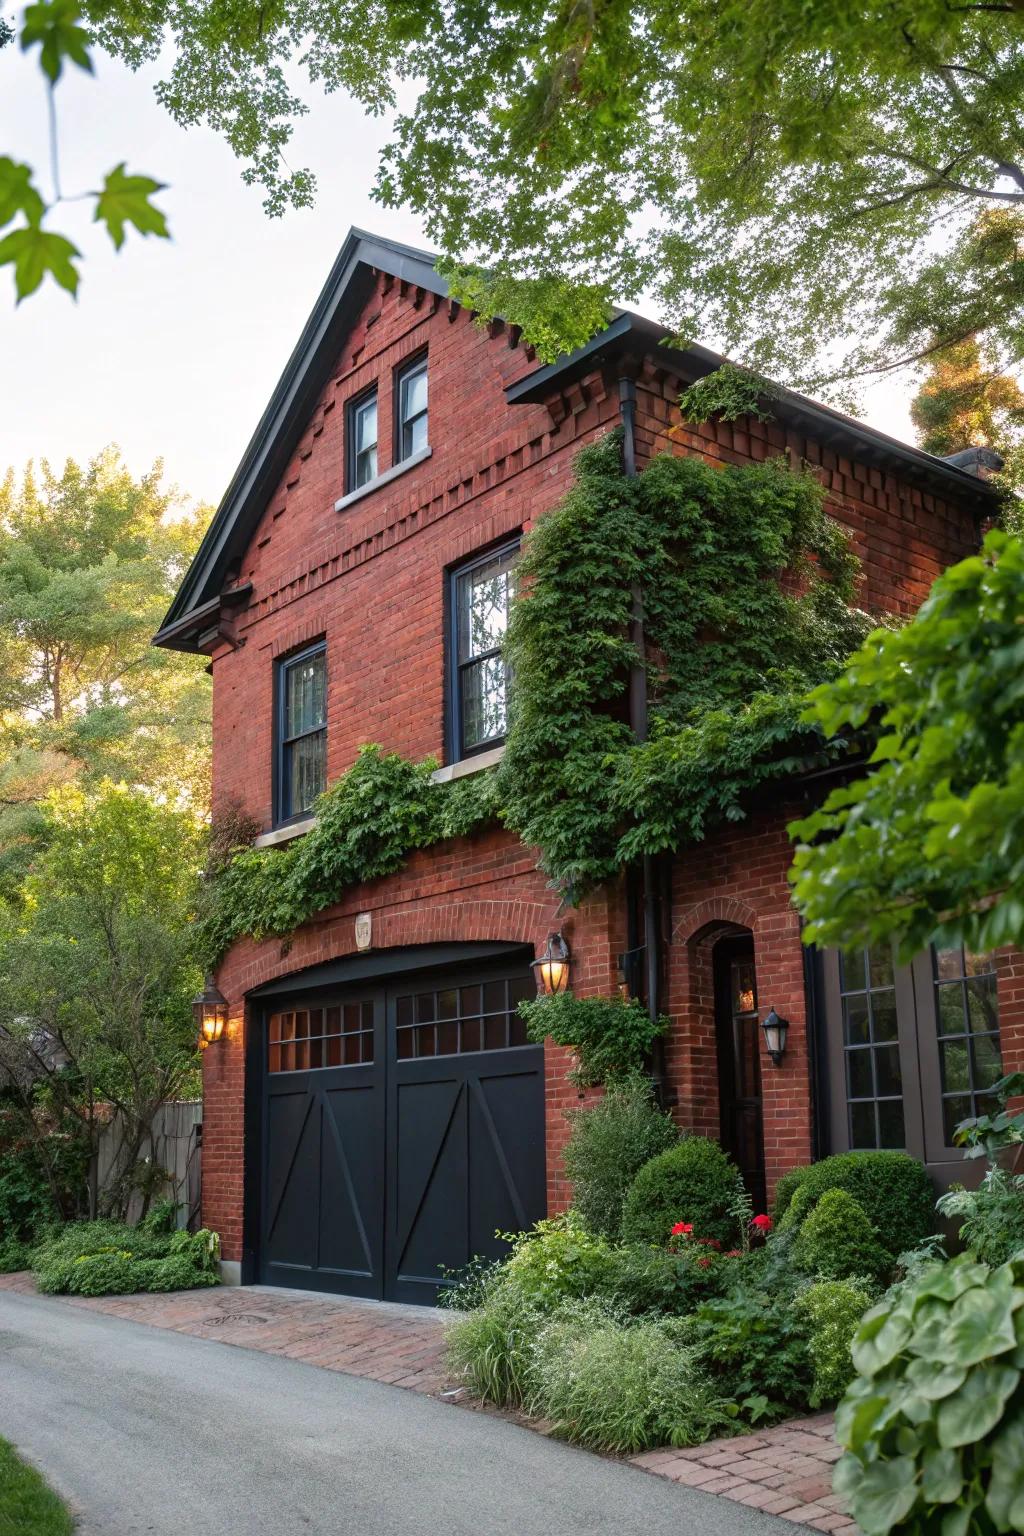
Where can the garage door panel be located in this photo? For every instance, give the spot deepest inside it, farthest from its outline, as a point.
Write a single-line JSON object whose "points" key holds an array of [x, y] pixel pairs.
{"points": [[294, 1141], [351, 1190], [506, 1166]]}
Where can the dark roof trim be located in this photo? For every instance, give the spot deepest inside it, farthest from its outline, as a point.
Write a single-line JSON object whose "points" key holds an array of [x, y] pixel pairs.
{"points": [[287, 415], [631, 335]]}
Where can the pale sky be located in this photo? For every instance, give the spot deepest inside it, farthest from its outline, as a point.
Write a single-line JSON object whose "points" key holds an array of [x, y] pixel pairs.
{"points": [[173, 347]]}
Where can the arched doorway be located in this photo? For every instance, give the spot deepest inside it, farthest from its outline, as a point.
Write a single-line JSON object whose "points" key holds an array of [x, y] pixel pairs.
{"points": [[737, 1031]]}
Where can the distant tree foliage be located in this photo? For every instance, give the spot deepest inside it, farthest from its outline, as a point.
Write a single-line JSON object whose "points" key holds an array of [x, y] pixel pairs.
{"points": [[966, 401], [89, 559]]}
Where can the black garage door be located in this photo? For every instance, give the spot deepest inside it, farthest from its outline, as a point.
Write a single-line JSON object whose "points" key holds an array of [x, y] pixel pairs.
{"points": [[403, 1126]]}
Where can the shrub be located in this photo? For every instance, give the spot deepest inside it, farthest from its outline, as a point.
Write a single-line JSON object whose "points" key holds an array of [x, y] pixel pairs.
{"points": [[622, 1387], [14, 1255], [693, 1182], [608, 1145], [933, 1424], [489, 1348], [639, 1280], [992, 1216], [557, 1260], [753, 1341], [100, 1258], [831, 1311], [837, 1240], [893, 1188]]}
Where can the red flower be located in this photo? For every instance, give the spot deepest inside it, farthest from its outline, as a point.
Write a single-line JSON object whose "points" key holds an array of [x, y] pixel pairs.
{"points": [[682, 1229], [762, 1223], [703, 1263]]}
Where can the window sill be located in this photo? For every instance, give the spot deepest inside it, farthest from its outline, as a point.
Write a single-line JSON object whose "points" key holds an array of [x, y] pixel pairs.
{"points": [[382, 480], [467, 765], [285, 834]]}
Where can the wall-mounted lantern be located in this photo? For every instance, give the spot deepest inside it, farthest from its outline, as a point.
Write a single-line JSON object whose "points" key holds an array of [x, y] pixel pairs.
{"points": [[775, 1030], [210, 1011], [552, 967]]}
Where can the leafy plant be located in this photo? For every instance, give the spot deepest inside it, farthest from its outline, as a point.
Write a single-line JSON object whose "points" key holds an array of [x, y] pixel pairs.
{"points": [[895, 1190], [754, 1342], [933, 1424], [729, 392], [608, 1144], [555, 1260], [611, 1036], [622, 1387], [101, 1258], [991, 1217], [838, 1240], [693, 1182], [490, 1347], [639, 1280], [831, 1311], [988, 1135], [923, 847]]}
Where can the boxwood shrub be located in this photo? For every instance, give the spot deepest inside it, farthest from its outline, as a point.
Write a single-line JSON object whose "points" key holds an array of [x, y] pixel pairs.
{"points": [[892, 1187], [837, 1241], [693, 1182]]}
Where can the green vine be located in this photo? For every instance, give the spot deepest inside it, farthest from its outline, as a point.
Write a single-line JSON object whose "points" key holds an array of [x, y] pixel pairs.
{"points": [[611, 1036], [729, 392], [747, 587]]}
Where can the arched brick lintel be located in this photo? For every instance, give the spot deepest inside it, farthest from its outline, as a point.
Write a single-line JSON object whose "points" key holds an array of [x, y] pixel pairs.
{"points": [[714, 912]]}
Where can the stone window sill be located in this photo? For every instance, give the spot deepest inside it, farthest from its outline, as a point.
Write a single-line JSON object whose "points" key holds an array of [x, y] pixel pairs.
{"points": [[467, 765], [382, 480], [285, 834]]}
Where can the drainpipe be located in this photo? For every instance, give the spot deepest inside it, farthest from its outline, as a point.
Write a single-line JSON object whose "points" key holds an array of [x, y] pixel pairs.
{"points": [[638, 722]]}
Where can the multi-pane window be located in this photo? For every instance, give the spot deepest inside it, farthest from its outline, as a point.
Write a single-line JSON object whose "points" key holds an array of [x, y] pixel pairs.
{"points": [[967, 1020], [362, 441], [481, 594], [302, 732], [306, 1039], [411, 410], [481, 1017], [874, 1077]]}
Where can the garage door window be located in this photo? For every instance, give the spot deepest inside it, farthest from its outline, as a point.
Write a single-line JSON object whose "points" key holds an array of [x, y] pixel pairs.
{"points": [[305, 1039], [481, 1017]]}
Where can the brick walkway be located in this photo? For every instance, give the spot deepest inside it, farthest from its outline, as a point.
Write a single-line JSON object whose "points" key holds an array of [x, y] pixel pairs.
{"points": [[785, 1471]]}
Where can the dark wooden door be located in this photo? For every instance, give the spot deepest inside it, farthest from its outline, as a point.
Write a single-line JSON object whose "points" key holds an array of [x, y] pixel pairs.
{"points": [[402, 1128], [738, 1031]]}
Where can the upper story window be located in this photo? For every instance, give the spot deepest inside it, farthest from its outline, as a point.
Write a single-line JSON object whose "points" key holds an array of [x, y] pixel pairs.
{"points": [[301, 758], [481, 593], [361, 440], [411, 409]]}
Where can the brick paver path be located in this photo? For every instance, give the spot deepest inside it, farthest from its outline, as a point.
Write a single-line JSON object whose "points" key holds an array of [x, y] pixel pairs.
{"points": [[785, 1471]]}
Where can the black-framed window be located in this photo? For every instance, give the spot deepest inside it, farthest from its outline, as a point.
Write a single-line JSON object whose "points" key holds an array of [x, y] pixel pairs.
{"points": [[301, 755], [481, 593], [411, 409], [967, 1025], [361, 441], [874, 1073]]}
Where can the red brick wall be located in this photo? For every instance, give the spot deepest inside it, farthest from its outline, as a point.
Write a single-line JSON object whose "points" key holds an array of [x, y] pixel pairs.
{"points": [[371, 579]]}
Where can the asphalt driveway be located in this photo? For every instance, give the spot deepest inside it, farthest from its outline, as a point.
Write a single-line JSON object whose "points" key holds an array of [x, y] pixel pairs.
{"points": [[146, 1431]]}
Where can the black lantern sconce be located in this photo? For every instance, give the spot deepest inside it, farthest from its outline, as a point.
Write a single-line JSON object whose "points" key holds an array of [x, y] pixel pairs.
{"points": [[552, 968], [775, 1030], [210, 1011]]}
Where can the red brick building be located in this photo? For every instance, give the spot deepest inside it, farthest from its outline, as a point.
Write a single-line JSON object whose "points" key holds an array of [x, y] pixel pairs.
{"points": [[374, 1111]]}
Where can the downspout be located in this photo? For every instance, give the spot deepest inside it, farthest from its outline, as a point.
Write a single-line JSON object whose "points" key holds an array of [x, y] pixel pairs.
{"points": [[638, 722]]}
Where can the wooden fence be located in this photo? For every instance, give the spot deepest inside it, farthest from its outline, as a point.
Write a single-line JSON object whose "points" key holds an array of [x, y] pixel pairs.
{"points": [[174, 1145]]}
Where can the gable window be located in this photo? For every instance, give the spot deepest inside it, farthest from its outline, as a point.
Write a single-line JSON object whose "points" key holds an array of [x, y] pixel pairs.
{"points": [[361, 441], [411, 410], [480, 596], [301, 758]]}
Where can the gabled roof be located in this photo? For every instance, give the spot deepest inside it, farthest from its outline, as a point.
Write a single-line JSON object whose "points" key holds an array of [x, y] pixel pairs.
{"points": [[197, 603], [286, 417]]}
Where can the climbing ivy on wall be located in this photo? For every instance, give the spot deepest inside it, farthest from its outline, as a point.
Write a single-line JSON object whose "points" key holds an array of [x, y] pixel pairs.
{"points": [[748, 591]]}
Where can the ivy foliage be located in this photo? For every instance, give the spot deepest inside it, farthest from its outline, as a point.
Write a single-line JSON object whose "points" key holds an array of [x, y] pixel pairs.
{"points": [[367, 823], [747, 586], [729, 392], [928, 846], [611, 1036]]}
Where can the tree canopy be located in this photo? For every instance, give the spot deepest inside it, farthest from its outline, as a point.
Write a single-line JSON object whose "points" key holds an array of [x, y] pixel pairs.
{"points": [[89, 559], [927, 845], [781, 174], [966, 401]]}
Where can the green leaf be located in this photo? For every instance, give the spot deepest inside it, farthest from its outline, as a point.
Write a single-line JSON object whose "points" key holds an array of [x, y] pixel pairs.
{"points": [[885, 1496], [53, 24], [879, 1339], [932, 1381], [125, 200], [1005, 1498], [34, 252], [17, 194], [980, 1326], [943, 1478], [977, 1407]]}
